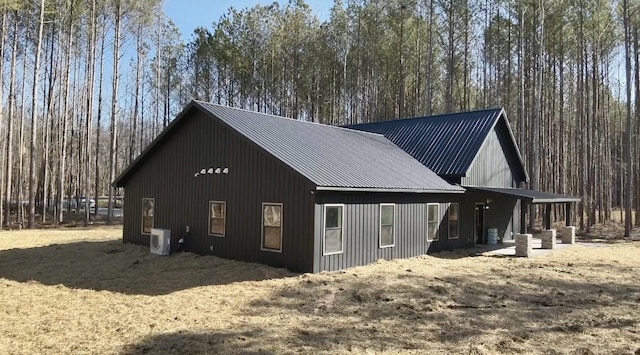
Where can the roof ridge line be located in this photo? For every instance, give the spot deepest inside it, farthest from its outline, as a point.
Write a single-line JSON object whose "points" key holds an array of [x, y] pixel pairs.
{"points": [[291, 119], [499, 109]]}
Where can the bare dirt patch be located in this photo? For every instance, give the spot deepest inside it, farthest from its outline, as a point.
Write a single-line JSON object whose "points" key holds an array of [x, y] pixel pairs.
{"points": [[83, 291]]}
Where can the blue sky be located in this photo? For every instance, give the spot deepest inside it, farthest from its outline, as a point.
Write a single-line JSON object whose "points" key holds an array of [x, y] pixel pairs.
{"points": [[189, 14]]}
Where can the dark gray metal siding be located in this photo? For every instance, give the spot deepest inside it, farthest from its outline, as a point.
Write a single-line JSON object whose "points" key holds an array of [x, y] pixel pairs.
{"points": [[200, 142], [494, 166], [361, 228], [491, 166]]}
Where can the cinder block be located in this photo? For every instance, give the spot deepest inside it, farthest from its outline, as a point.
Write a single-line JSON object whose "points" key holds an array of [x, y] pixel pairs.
{"points": [[568, 235], [548, 237], [524, 245]]}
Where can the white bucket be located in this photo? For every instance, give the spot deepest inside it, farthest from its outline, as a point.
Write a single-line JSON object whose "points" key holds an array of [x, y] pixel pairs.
{"points": [[492, 236]]}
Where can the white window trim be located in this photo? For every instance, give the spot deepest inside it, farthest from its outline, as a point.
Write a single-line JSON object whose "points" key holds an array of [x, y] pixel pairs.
{"points": [[224, 213], [142, 217], [380, 226], [438, 220], [449, 221], [262, 226], [324, 229]]}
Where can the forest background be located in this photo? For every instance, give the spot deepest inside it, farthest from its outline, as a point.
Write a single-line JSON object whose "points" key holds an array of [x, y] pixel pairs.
{"points": [[86, 85]]}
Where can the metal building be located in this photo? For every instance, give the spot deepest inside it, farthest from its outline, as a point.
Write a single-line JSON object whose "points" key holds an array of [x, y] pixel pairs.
{"points": [[255, 187], [309, 197]]}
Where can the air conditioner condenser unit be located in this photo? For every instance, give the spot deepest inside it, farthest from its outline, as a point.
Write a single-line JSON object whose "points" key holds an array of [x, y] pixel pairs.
{"points": [[160, 241]]}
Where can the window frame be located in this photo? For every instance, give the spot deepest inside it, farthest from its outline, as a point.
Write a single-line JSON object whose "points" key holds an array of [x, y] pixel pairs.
{"points": [[438, 220], [153, 217], [262, 245], [224, 219], [324, 229], [457, 220], [393, 235]]}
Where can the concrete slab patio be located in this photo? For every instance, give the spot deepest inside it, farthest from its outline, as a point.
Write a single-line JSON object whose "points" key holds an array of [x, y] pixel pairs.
{"points": [[508, 248]]}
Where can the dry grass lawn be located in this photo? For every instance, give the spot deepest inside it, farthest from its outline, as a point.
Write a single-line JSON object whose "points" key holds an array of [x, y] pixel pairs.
{"points": [[80, 291]]}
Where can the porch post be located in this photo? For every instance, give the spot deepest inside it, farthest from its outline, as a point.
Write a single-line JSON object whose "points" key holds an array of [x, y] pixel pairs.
{"points": [[567, 213], [547, 217], [523, 217]]}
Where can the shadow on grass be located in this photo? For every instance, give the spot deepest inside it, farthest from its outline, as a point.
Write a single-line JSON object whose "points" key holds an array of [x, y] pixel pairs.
{"points": [[447, 310], [231, 342], [125, 268], [486, 312]]}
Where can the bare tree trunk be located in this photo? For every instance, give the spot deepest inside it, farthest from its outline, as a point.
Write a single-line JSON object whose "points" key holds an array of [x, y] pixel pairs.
{"points": [[20, 178], [114, 107], [636, 50], [99, 117], [629, 134], [12, 109], [136, 105], [2, 49], [62, 145], [91, 56], [450, 58], [34, 115], [47, 116], [537, 111]]}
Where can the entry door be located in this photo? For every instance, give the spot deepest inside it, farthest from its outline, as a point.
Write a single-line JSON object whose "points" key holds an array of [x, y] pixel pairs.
{"points": [[479, 223]]}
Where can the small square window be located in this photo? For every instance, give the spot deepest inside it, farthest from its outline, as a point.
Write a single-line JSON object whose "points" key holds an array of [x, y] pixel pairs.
{"points": [[217, 218], [387, 225], [272, 227]]}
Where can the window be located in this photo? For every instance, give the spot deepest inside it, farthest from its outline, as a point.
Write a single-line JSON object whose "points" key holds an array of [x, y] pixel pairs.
{"points": [[333, 229], [272, 227], [433, 221], [217, 218], [454, 213], [148, 206], [387, 222]]}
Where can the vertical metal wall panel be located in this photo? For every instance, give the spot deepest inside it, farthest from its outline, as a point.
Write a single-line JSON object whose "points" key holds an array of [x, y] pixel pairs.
{"points": [[362, 227], [491, 166], [254, 177], [495, 166]]}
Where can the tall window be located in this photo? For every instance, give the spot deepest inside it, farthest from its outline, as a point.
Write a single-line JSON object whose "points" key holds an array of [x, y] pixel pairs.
{"points": [[217, 218], [148, 207], [454, 213], [272, 226], [387, 225], [333, 229], [433, 221]]}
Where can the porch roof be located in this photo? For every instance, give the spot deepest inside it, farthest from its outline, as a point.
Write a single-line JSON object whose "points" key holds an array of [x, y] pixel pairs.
{"points": [[531, 196]]}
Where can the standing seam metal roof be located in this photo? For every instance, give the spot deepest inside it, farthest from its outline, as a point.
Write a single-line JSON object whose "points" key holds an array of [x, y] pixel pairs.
{"points": [[332, 157], [447, 144]]}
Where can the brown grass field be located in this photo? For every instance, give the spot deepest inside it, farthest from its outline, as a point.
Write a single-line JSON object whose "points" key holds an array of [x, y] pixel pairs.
{"points": [[81, 291]]}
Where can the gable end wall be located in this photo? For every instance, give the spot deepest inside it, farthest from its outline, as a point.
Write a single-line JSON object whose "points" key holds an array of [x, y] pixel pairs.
{"points": [[202, 142]]}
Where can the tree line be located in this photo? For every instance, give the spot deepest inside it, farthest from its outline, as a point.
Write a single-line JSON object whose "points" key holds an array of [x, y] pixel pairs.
{"points": [[87, 84]]}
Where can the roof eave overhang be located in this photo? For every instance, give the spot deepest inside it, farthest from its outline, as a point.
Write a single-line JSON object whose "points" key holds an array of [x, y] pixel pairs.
{"points": [[393, 190], [554, 200], [514, 193]]}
